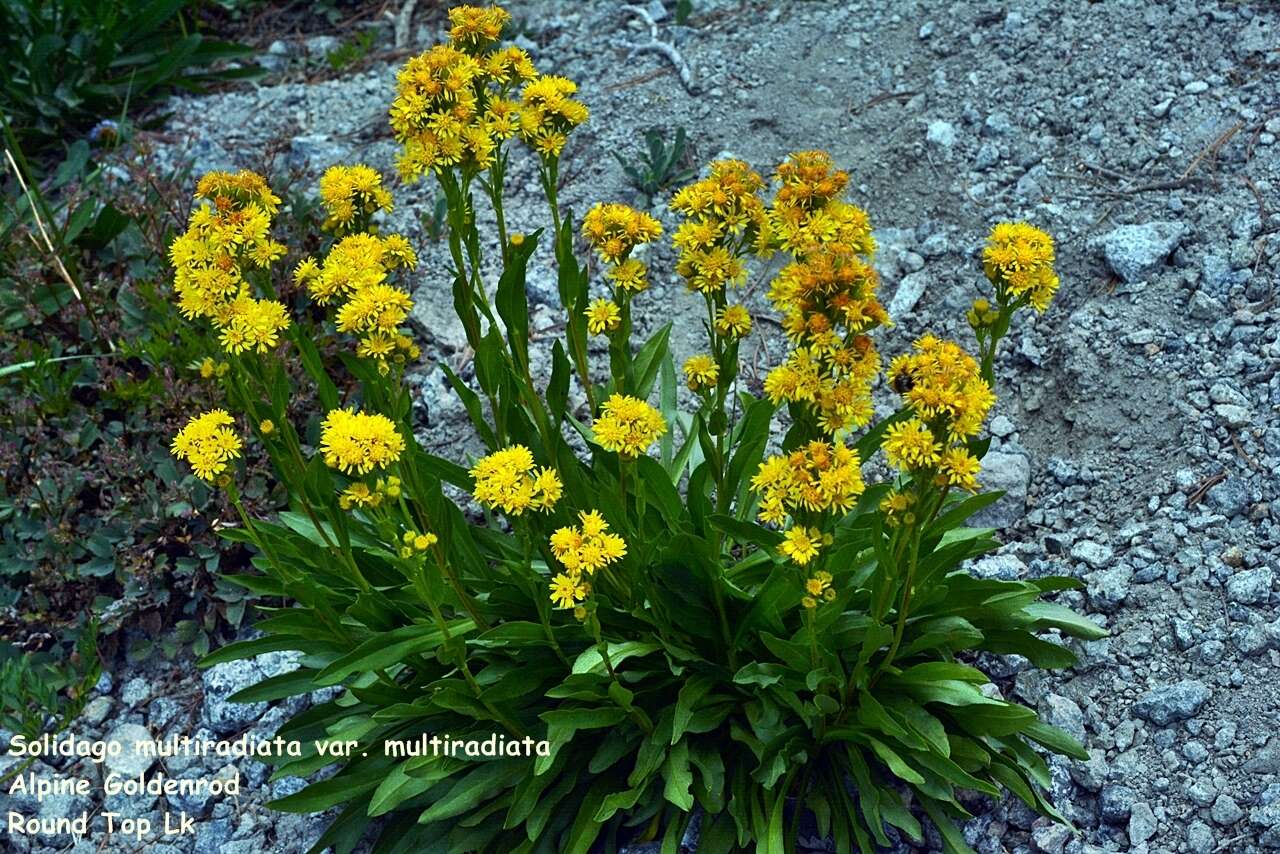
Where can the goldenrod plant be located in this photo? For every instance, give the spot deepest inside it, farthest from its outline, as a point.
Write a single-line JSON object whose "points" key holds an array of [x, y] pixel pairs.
{"points": [[683, 617]]}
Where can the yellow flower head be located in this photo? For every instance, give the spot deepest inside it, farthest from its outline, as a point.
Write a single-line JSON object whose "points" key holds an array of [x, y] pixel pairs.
{"points": [[818, 586], [348, 192], [613, 230], [587, 548], [733, 321], [224, 236], [1018, 259], [248, 324], [548, 114], [509, 479], [724, 219], [944, 384], [358, 442], [422, 542], [603, 316], [801, 544], [359, 495], [911, 445], [628, 426], [960, 468], [438, 116], [266, 426], [207, 443], [568, 590], [475, 27], [701, 372], [819, 476]]}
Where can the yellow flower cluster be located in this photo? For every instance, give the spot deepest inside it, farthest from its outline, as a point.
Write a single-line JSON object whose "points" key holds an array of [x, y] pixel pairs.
{"points": [[583, 550], [615, 229], [949, 400], [356, 271], [628, 426], [415, 542], [723, 219], [1018, 258], [477, 27], [351, 192], [818, 587], [362, 495], [353, 441], [603, 316], [509, 479], [224, 237], [548, 113], [207, 443], [452, 105], [816, 477], [808, 211], [701, 372], [826, 295], [252, 324]]}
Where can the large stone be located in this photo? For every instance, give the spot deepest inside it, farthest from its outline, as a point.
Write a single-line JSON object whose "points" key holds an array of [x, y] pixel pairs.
{"points": [[1009, 473], [1172, 703], [220, 682], [909, 291], [1134, 252], [1062, 712], [1097, 555], [1251, 587], [131, 761], [1142, 823], [1108, 588]]}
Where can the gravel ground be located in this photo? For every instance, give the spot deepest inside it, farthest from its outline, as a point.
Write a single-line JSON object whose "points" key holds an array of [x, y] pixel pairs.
{"points": [[1137, 433]]}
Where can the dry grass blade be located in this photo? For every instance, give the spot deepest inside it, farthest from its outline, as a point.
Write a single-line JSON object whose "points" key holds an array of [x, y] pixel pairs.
{"points": [[55, 258]]}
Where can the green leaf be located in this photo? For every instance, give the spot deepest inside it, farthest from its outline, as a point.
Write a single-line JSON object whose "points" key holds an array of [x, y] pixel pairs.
{"points": [[896, 763], [648, 360], [477, 786], [1056, 740], [1051, 615], [691, 692], [678, 776], [388, 648], [291, 684], [591, 661]]}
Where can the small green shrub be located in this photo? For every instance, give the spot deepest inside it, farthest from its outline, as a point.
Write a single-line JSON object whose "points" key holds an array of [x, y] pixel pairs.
{"points": [[69, 63], [660, 166], [644, 608]]}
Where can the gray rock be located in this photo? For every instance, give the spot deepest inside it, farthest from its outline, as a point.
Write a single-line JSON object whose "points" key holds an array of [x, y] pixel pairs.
{"points": [[1226, 811], [1171, 703], [220, 682], [1108, 588], [1134, 252], [1234, 416], [1230, 498], [1050, 837], [941, 135], [1142, 823], [910, 289], [1063, 713], [1009, 473], [1200, 838], [1115, 803], [96, 710], [135, 692], [1006, 567], [1094, 554], [1250, 587], [130, 762], [1267, 760]]}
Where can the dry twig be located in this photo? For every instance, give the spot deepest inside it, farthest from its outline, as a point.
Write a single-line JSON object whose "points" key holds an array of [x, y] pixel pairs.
{"points": [[654, 45]]}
